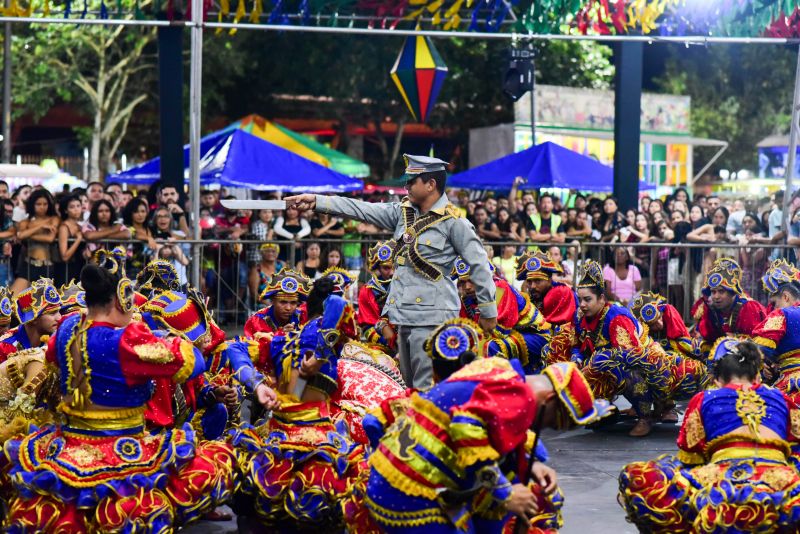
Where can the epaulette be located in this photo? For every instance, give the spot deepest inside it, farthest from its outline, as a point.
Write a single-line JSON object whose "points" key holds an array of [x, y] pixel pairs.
{"points": [[453, 211]]}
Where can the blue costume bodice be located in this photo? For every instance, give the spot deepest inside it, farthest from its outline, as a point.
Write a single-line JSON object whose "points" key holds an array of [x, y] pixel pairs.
{"points": [[723, 410], [288, 350], [101, 365], [790, 342]]}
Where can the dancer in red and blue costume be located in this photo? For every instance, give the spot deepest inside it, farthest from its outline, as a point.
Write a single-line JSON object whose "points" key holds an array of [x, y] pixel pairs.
{"points": [[208, 401], [300, 464], [38, 310], [521, 331], [555, 300], [6, 309], [99, 470], [725, 309], [287, 291], [452, 346], [665, 325], [616, 354], [778, 336], [688, 373], [439, 466], [733, 471], [375, 327]]}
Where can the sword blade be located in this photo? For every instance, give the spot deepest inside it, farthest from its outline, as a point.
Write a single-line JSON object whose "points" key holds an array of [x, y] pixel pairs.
{"points": [[254, 204]]}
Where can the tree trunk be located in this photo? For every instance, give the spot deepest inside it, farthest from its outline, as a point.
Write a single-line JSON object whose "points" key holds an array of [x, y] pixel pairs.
{"points": [[94, 150]]}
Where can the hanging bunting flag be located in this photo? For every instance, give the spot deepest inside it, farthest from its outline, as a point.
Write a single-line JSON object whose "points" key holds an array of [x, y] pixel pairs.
{"points": [[255, 14], [419, 74]]}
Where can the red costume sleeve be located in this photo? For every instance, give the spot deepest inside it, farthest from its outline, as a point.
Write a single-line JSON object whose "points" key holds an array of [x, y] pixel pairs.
{"points": [[143, 356], [622, 333], [673, 323], [369, 312], [750, 316], [505, 408], [558, 305], [692, 436], [507, 307], [51, 354], [771, 330], [256, 324], [705, 328]]}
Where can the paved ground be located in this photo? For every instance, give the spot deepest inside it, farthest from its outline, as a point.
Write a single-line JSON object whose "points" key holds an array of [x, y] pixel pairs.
{"points": [[588, 464]]}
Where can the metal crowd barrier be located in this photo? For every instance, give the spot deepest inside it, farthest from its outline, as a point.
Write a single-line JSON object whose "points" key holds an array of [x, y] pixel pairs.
{"points": [[673, 269]]}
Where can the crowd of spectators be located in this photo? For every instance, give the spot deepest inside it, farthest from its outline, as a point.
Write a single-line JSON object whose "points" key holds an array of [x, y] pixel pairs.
{"points": [[562, 224], [46, 235]]}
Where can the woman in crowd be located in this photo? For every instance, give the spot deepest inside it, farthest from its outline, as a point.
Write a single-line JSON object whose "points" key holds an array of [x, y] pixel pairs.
{"points": [[168, 246], [506, 263], [144, 247], [333, 259], [263, 271], [291, 227], [714, 232], [103, 226], [509, 228], [260, 230], [71, 244], [325, 226], [753, 260], [611, 221], [623, 279], [580, 228], [697, 217], [38, 233], [7, 234], [311, 265], [630, 217], [526, 217], [639, 232]]}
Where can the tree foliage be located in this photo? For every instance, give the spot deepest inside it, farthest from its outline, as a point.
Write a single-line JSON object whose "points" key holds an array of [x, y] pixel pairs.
{"points": [[243, 73], [740, 94], [106, 72]]}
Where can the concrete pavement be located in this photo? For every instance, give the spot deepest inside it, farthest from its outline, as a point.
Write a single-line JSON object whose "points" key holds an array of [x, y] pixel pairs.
{"points": [[588, 464]]}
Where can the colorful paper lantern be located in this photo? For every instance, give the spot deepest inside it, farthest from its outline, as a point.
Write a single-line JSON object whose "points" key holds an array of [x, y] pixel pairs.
{"points": [[419, 74]]}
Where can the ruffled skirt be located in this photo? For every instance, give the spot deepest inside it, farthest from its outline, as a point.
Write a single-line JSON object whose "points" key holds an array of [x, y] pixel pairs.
{"points": [[749, 495], [299, 468], [75, 480]]}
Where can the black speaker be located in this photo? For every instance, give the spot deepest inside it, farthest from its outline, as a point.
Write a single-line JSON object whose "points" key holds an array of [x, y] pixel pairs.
{"points": [[518, 79]]}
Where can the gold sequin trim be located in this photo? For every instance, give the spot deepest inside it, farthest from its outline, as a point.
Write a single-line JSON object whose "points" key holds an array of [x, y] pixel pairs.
{"points": [[154, 353]]}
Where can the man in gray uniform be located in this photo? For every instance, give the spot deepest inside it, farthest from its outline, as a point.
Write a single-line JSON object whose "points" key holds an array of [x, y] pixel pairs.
{"points": [[429, 234]]}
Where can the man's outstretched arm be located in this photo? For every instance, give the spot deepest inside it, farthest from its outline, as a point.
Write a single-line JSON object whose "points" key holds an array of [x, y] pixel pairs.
{"points": [[385, 215]]}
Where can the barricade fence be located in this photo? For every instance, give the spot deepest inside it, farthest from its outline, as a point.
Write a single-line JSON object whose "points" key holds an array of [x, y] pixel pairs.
{"points": [[234, 273]]}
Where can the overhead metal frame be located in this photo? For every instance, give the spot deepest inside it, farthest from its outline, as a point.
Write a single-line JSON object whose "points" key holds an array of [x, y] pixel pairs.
{"points": [[196, 26]]}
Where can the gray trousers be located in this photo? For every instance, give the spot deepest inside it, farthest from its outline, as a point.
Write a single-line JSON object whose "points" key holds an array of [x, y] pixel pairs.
{"points": [[415, 364]]}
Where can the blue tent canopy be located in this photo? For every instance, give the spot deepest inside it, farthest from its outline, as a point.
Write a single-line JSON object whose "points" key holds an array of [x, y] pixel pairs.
{"points": [[235, 158], [546, 165]]}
